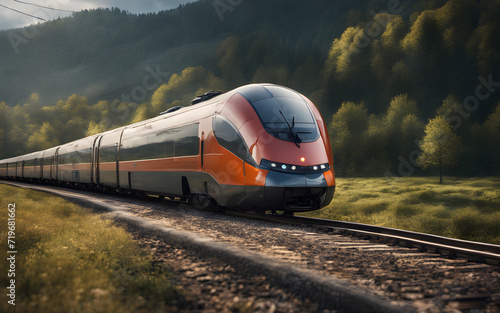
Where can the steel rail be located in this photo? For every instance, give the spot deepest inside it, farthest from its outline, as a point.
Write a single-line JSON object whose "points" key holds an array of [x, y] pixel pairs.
{"points": [[453, 248]]}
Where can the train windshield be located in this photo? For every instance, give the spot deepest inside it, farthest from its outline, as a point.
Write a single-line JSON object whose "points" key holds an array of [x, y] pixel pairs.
{"points": [[287, 118]]}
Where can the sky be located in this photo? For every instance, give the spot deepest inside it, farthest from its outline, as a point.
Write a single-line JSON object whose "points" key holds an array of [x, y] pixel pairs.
{"points": [[10, 19]]}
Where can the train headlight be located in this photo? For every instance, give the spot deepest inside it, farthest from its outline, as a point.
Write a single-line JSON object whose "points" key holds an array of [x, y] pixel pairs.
{"points": [[302, 159], [295, 168]]}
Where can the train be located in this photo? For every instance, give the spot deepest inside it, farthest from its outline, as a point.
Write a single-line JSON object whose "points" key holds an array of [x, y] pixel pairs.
{"points": [[257, 148]]}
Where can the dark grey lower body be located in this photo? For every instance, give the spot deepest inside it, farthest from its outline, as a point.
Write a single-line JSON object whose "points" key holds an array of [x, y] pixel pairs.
{"points": [[291, 192], [282, 191]]}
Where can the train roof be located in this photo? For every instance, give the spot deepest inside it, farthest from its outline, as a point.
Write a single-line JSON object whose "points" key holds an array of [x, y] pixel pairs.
{"points": [[256, 92]]}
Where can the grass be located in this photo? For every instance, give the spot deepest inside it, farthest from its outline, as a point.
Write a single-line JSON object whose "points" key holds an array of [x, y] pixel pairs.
{"points": [[70, 260], [465, 208]]}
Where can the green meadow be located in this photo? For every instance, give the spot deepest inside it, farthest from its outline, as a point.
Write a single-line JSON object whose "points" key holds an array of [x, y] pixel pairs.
{"points": [[465, 208], [71, 260]]}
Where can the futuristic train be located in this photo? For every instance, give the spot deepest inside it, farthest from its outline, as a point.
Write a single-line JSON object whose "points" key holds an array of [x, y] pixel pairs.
{"points": [[258, 147]]}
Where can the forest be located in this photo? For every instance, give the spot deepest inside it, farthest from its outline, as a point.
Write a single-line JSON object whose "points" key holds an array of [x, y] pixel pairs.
{"points": [[384, 74]]}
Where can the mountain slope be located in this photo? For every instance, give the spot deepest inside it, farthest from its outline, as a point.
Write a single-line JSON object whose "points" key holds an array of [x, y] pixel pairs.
{"points": [[86, 53]]}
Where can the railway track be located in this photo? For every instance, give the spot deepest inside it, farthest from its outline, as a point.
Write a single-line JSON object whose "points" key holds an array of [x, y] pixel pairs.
{"points": [[318, 262], [450, 247]]}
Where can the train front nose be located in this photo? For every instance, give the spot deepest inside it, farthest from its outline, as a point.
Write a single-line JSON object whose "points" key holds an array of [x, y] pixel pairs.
{"points": [[290, 163], [292, 192], [293, 188]]}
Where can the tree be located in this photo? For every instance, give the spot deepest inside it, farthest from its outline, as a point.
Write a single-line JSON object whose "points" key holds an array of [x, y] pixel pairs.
{"points": [[4, 126], [412, 128], [43, 138], [181, 89], [398, 126], [400, 107], [347, 131], [491, 140], [440, 146], [229, 60]]}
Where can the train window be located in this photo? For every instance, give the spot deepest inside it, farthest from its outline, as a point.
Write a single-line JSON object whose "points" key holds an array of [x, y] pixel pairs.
{"points": [[61, 159], [187, 141], [71, 158], [282, 92], [148, 147], [228, 136], [169, 146], [68, 158], [87, 154], [75, 157], [180, 141], [29, 162], [140, 151], [107, 154], [254, 93], [279, 114], [127, 150], [81, 156], [156, 145], [269, 110]]}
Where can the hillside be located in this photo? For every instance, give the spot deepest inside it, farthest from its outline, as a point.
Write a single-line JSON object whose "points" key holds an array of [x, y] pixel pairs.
{"points": [[378, 70], [102, 53]]}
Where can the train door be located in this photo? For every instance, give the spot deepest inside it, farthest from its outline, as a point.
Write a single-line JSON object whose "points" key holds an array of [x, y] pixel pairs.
{"points": [[202, 150], [37, 174], [92, 161], [118, 159], [40, 165], [55, 165], [205, 127], [95, 162], [108, 158], [51, 167]]}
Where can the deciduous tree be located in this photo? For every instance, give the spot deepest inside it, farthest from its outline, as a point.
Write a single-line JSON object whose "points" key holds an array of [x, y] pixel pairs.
{"points": [[440, 146], [347, 131]]}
